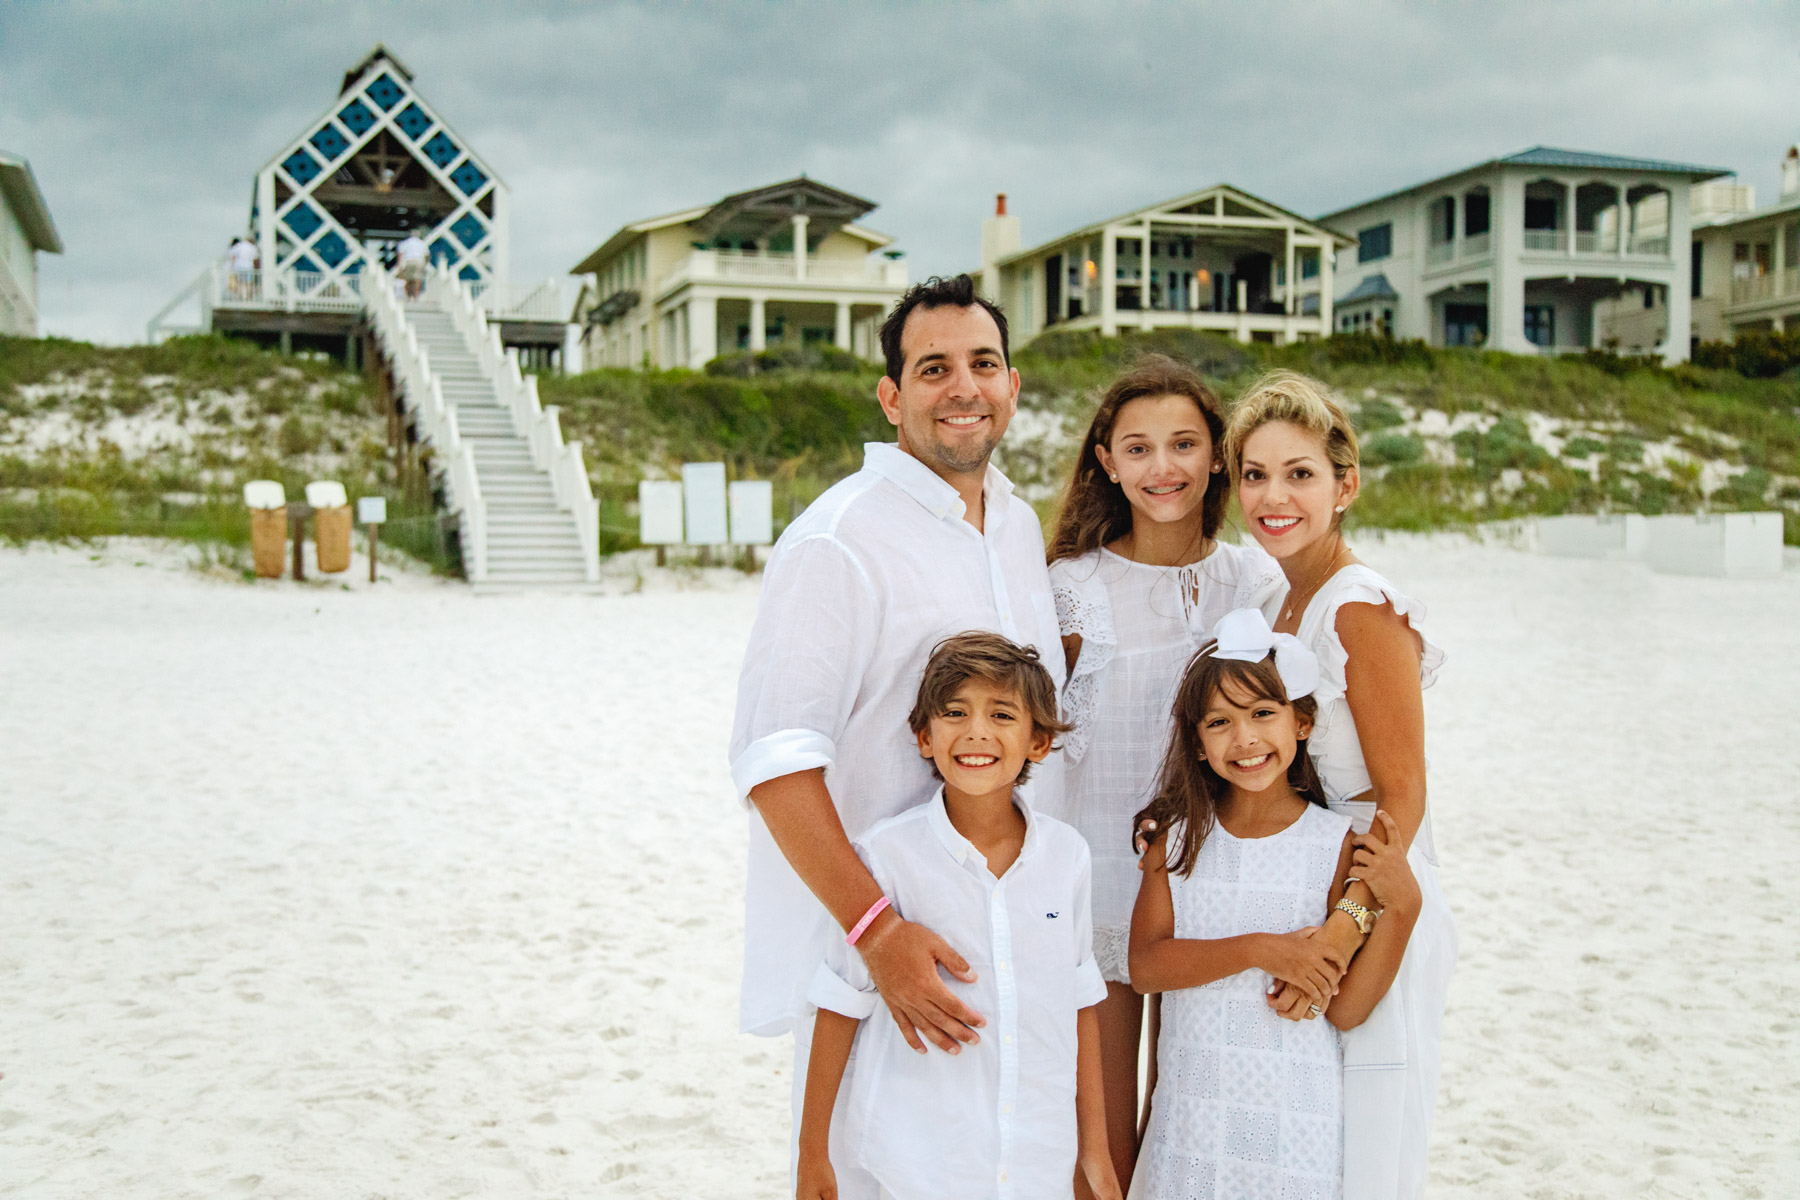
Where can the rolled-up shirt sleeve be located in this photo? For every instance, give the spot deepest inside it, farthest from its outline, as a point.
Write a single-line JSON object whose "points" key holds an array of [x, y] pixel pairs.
{"points": [[842, 983], [814, 633], [1090, 986]]}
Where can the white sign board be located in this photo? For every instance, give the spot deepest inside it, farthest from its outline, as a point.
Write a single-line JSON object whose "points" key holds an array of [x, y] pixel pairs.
{"points": [[371, 510], [752, 513], [659, 512], [703, 485]]}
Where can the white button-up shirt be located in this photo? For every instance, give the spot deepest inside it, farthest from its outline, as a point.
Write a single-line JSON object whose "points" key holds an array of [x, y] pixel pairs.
{"points": [[998, 1119], [872, 575]]}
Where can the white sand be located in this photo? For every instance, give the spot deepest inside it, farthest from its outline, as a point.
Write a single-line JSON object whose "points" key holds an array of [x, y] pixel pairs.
{"points": [[407, 893]]}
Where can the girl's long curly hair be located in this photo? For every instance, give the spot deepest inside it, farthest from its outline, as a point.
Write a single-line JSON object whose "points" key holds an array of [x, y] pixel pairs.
{"points": [[1094, 510], [1189, 793]]}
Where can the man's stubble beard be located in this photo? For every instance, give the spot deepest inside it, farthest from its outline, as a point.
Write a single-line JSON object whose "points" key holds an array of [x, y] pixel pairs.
{"points": [[940, 455]]}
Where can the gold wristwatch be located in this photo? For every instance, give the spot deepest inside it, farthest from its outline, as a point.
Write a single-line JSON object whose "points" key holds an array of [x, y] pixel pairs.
{"points": [[1364, 918]]}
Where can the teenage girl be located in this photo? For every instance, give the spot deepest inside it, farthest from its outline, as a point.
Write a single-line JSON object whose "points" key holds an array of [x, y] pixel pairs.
{"points": [[1139, 577], [1292, 451], [1246, 863]]}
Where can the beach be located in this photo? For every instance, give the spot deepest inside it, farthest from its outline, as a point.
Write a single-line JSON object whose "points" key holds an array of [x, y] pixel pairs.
{"points": [[328, 891]]}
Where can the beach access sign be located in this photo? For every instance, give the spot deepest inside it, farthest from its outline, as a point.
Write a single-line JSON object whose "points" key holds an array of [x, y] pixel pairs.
{"points": [[703, 491], [659, 512]]}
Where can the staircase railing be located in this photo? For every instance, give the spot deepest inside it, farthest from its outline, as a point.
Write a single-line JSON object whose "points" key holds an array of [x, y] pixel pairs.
{"points": [[423, 396], [517, 393]]}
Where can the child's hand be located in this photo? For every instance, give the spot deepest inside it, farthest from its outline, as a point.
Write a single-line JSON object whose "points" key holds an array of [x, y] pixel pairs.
{"points": [[1292, 1004], [1311, 964], [1383, 868], [1101, 1180], [816, 1179]]}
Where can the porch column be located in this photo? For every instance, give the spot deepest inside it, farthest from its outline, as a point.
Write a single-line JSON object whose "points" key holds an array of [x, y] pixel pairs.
{"points": [[265, 230], [1109, 289], [703, 330], [1327, 257], [840, 337], [800, 220], [1506, 289], [1243, 309], [1293, 280], [1569, 207], [1681, 303], [757, 339], [1777, 266]]}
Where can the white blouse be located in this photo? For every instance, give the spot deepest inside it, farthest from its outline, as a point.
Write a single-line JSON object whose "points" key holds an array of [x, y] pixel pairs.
{"points": [[1139, 626], [998, 1119]]}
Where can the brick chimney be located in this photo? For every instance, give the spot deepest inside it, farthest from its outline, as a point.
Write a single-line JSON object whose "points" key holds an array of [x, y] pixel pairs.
{"points": [[999, 238], [1790, 173]]}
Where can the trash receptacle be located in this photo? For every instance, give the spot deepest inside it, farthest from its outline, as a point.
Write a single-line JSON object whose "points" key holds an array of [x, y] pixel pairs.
{"points": [[331, 524], [267, 502]]}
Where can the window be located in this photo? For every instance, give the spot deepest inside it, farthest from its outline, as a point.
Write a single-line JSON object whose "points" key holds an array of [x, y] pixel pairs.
{"points": [[1540, 213], [1475, 214], [1309, 265], [1694, 270], [1540, 324], [1375, 243], [1465, 324], [1280, 274], [1443, 220]]}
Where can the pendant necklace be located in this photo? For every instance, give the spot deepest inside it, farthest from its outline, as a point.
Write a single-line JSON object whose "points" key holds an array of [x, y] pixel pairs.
{"points": [[1318, 581]]}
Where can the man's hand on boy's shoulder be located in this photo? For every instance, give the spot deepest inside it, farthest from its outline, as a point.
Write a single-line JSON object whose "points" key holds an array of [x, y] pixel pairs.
{"points": [[903, 960]]}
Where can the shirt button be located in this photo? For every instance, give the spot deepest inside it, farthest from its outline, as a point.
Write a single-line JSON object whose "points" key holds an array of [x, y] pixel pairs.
{"points": [[1003, 1177], [1006, 1108], [1009, 1039], [1004, 965]]}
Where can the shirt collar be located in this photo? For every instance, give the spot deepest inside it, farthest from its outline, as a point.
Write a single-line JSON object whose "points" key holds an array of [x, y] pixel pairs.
{"points": [[927, 487], [960, 847]]}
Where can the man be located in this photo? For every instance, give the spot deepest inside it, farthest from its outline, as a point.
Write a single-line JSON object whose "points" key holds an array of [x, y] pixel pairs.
{"points": [[413, 255], [926, 541], [241, 261]]}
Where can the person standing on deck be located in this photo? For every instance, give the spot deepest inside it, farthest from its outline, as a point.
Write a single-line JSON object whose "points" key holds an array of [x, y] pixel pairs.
{"points": [[413, 255], [926, 541]]}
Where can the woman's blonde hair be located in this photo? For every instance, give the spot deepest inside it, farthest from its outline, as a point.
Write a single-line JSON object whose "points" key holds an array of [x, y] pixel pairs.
{"points": [[1299, 400]]}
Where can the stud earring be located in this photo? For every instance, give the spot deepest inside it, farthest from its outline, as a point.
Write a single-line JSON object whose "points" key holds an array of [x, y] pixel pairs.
{"points": [[1339, 508]]}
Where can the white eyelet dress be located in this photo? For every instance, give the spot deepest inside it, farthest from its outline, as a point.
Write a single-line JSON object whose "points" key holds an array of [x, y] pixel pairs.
{"points": [[1393, 1059], [1249, 1105], [1139, 626]]}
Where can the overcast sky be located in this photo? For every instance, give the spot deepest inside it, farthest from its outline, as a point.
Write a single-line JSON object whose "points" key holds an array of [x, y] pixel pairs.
{"points": [[146, 123]]}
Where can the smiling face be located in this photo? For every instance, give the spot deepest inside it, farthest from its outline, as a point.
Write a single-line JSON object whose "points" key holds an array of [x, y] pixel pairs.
{"points": [[1250, 741], [1163, 456], [982, 739], [956, 393], [1290, 497]]}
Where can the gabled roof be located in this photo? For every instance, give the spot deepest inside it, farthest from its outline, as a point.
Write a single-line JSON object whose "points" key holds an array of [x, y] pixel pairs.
{"points": [[755, 213], [1551, 156], [22, 194], [1374, 287], [1223, 190], [379, 54]]}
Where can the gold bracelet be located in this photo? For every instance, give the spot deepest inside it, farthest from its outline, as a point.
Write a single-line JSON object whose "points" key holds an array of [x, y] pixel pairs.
{"points": [[1365, 920]]}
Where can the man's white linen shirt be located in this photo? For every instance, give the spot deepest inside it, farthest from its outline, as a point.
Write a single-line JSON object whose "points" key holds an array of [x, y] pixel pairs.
{"points": [[998, 1119], [858, 590]]}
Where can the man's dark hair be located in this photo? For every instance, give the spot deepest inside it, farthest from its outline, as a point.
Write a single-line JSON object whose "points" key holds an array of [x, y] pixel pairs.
{"points": [[936, 292]]}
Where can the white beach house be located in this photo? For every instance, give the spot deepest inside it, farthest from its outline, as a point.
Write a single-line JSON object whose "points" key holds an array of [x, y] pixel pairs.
{"points": [[1516, 252], [25, 229], [782, 264], [1747, 261], [1219, 259]]}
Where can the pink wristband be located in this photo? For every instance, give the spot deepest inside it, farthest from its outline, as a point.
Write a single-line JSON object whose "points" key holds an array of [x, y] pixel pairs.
{"points": [[867, 919]]}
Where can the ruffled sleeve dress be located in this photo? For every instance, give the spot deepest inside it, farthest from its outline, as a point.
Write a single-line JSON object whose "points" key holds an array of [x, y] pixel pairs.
{"points": [[1392, 1060], [1139, 625]]}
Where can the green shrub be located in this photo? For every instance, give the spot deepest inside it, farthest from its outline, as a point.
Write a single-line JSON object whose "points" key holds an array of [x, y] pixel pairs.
{"points": [[1377, 414], [1581, 446], [1623, 448], [1505, 444], [1392, 449]]}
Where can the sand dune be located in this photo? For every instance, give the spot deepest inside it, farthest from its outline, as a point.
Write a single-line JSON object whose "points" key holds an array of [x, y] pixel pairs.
{"points": [[405, 893]]}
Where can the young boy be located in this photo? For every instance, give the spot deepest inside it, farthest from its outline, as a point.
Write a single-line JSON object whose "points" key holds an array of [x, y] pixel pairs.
{"points": [[1014, 1113]]}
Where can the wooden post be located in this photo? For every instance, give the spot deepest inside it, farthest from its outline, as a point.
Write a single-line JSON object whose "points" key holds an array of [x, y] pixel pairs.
{"points": [[374, 537], [297, 514]]}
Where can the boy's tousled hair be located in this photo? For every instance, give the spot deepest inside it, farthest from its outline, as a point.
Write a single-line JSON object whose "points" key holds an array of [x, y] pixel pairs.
{"points": [[1094, 510], [987, 656], [1189, 791]]}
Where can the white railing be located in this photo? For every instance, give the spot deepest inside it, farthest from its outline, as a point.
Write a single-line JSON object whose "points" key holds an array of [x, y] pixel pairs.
{"points": [[781, 267], [1440, 252], [1657, 247], [1546, 239], [545, 301], [1764, 287], [1477, 245], [423, 396], [518, 394], [1594, 242]]}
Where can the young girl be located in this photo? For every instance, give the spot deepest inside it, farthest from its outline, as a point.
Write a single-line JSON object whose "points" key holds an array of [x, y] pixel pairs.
{"points": [[1293, 452], [1139, 578], [1245, 865]]}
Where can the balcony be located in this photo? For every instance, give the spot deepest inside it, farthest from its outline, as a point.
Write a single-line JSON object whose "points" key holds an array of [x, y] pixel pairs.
{"points": [[742, 267], [1554, 240], [1760, 289]]}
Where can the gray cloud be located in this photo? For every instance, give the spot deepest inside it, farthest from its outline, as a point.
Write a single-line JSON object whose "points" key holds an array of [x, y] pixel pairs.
{"points": [[146, 124]]}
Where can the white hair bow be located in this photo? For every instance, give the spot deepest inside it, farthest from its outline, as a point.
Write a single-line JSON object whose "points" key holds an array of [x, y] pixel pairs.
{"points": [[1245, 636]]}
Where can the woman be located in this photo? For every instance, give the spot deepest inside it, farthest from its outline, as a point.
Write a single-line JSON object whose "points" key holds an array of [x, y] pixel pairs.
{"points": [[1293, 454]]}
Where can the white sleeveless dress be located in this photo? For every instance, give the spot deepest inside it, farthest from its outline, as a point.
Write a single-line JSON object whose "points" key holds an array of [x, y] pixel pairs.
{"points": [[1249, 1106], [1393, 1059], [1139, 626]]}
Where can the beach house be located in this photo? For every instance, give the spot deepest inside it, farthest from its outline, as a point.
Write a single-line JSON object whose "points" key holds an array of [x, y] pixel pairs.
{"points": [[25, 230], [378, 165], [1517, 252], [1747, 261], [786, 264], [1219, 259]]}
